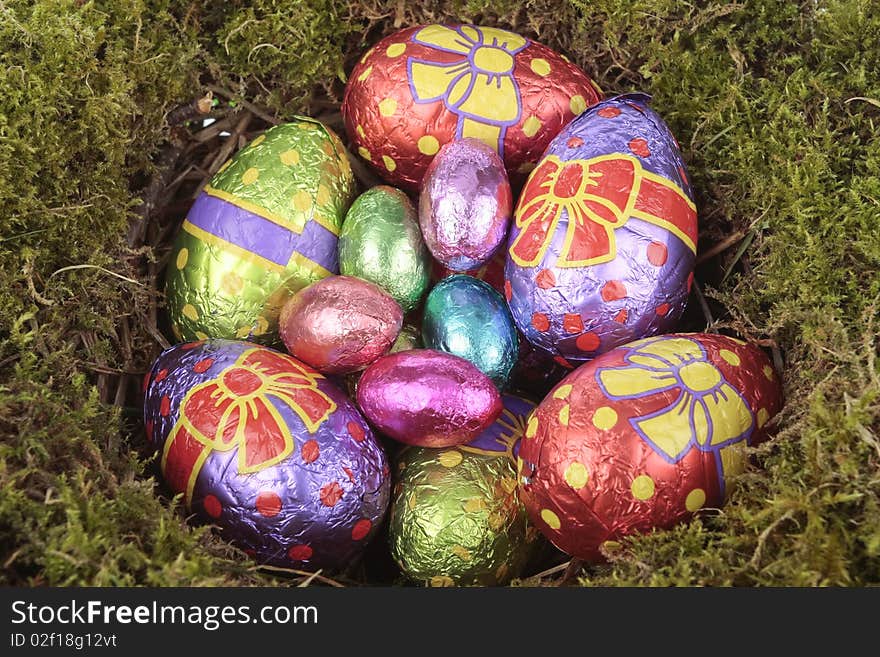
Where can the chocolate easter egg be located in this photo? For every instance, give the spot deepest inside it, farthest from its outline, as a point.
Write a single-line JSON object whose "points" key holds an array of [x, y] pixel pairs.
{"points": [[428, 398], [265, 226], [340, 324], [466, 317], [381, 242], [456, 518], [422, 87], [465, 204], [642, 437], [601, 251], [264, 447]]}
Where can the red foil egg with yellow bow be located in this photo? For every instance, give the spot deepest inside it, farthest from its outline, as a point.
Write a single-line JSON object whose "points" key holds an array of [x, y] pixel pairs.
{"points": [[642, 437], [425, 86]]}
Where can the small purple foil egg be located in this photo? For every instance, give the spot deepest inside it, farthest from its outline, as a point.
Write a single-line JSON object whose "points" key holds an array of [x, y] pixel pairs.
{"points": [[267, 449], [340, 324], [465, 204], [428, 398]]}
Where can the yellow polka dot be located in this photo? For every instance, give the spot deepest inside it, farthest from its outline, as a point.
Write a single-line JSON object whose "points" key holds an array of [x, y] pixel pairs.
{"points": [[695, 500], [302, 201], [461, 552], [328, 148], [364, 153], [532, 427], [449, 458], [531, 126], [323, 195], [189, 311], [250, 176], [289, 158], [496, 521], [442, 580], [540, 66], [412, 501], [365, 74], [231, 283], [642, 487], [563, 415], [390, 164], [519, 465], [259, 140], [577, 104], [611, 546], [395, 49], [730, 357], [367, 54], [360, 131], [182, 257], [768, 372], [201, 335], [474, 505], [550, 518], [562, 392], [387, 107], [604, 418], [763, 416], [243, 332], [576, 475], [508, 484], [224, 166], [262, 325], [428, 145]]}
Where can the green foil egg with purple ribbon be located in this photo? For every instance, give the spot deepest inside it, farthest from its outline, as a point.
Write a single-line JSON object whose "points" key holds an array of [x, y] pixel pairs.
{"points": [[265, 226]]}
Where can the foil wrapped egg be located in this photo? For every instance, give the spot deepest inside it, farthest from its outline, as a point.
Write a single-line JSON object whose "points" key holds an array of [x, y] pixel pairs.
{"points": [[380, 242], [601, 250], [466, 317], [492, 272], [642, 437], [263, 446], [265, 226], [424, 86], [428, 398], [340, 324], [465, 204], [455, 517]]}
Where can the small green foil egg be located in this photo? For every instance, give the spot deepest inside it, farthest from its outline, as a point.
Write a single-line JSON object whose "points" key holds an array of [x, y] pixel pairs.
{"points": [[456, 519], [381, 242], [265, 226]]}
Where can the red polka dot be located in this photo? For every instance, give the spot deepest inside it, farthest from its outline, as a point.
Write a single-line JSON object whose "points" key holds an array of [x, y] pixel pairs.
{"points": [[635, 107], [203, 365], [165, 406], [310, 451], [361, 528], [563, 362], [350, 474], [545, 279], [608, 112], [146, 381], [148, 429], [575, 142], [683, 174], [588, 342], [662, 309], [212, 506], [191, 345], [300, 552], [572, 323], [356, 431], [268, 503], [508, 291], [613, 290], [331, 493], [161, 376], [620, 317], [639, 147], [386, 470], [540, 322], [657, 254], [690, 281]]}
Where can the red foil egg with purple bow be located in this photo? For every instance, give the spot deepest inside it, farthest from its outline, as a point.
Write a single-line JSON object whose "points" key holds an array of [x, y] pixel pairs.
{"points": [[267, 449], [601, 251]]}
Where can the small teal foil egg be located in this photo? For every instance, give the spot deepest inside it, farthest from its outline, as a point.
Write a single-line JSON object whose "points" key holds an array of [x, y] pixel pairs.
{"points": [[464, 316]]}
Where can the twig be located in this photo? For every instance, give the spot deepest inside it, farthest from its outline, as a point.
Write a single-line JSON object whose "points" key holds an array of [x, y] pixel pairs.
{"points": [[208, 133], [256, 110], [154, 191], [720, 247], [551, 571], [304, 573], [225, 150], [191, 110], [574, 567], [704, 306], [99, 268]]}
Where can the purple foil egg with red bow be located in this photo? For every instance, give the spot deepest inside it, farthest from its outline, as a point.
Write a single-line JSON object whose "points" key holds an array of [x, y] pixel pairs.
{"points": [[601, 251], [263, 446]]}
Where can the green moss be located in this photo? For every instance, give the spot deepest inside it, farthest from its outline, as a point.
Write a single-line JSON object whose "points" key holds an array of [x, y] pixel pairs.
{"points": [[766, 97]]}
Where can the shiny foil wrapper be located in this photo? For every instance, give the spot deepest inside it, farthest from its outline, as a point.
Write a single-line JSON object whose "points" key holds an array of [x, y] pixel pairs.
{"points": [[642, 437], [428, 398], [340, 324], [381, 242], [264, 447], [601, 251], [466, 317], [491, 272], [265, 226], [425, 86], [410, 337], [465, 204]]}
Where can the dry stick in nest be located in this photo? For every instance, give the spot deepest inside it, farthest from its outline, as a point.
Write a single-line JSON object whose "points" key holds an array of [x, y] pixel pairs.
{"points": [[194, 109], [574, 567], [256, 110], [721, 246], [704, 306], [225, 150]]}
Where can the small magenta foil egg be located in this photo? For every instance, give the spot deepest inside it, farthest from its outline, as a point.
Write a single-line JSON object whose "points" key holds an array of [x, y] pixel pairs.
{"points": [[465, 204]]}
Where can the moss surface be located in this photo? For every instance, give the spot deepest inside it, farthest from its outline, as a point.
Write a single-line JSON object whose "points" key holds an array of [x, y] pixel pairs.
{"points": [[777, 107]]}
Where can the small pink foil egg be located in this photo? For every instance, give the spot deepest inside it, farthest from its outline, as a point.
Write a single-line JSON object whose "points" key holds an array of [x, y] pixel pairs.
{"points": [[340, 324], [428, 398], [465, 204]]}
